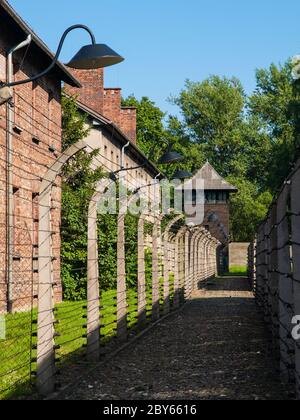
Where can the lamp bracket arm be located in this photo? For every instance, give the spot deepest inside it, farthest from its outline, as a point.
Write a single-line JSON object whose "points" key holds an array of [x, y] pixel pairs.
{"points": [[55, 59]]}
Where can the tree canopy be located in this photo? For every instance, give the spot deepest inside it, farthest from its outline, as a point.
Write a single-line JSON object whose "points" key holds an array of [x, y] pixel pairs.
{"points": [[251, 140]]}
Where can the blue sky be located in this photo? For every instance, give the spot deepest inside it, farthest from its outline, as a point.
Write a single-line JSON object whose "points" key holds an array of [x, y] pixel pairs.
{"points": [[167, 41]]}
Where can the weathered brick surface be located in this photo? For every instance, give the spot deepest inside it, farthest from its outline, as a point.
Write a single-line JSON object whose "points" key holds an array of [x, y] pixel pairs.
{"points": [[37, 113], [222, 211], [92, 92], [105, 101]]}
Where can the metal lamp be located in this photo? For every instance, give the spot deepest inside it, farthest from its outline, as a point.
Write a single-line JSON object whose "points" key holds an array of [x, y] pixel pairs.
{"points": [[170, 157], [95, 56], [180, 174], [92, 56], [213, 218]]}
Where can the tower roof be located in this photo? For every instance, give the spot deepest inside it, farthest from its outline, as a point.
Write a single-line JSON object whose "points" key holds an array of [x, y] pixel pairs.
{"points": [[212, 180]]}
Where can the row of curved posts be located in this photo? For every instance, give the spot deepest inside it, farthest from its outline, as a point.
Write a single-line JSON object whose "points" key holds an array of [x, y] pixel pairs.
{"points": [[182, 257], [274, 271]]}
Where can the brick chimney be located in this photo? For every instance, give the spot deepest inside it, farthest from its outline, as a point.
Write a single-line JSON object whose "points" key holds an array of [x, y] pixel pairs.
{"points": [[104, 101], [128, 122], [91, 93]]}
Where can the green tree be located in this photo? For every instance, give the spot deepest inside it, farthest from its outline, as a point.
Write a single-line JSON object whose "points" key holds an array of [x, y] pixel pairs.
{"points": [[151, 132], [78, 185], [156, 133], [276, 104], [247, 209], [212, 113]]}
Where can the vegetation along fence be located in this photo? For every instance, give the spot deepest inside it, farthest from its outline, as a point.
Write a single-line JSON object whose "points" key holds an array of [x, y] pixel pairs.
{"points": [[274, 270], [78, 286]]}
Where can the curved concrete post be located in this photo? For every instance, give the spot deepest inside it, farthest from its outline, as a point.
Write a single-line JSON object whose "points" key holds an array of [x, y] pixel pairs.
{"points": [[166, 287], [196, 258], [260, 267], [191, 262], [142, 298], [178, 265], [201, 257], [206, 250], [121, 277], [155, 271], [45, 328], [93, 286], [295, 208], [121, 272], [187, 237]]}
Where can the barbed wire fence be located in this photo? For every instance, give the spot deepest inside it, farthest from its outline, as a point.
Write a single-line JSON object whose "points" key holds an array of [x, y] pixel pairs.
{"points": [[274, 272], [45, 332]]}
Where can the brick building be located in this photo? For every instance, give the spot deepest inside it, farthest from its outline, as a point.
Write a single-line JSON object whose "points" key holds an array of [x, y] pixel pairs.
{"points": [[32, 126], [216, 201], [112, 128]]}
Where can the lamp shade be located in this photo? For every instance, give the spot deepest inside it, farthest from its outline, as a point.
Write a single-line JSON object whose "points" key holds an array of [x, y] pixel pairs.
{"points": [[213, 218], [95, 56], [179, 174], [170, 157]]}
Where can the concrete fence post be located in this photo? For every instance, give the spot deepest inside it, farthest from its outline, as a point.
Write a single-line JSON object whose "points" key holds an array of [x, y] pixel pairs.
{"points": [[155, 272], [266, 271], [142, 298], [93, 285], [285, 287], [167, 262], [45, 327], [121, 279], [187, 264], [295, 235], [192, 262], [178, 266], [274, 279], [259, 291]]}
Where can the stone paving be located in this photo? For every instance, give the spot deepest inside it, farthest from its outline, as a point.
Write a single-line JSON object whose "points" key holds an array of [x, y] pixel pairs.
{"points": [[215, 349]]}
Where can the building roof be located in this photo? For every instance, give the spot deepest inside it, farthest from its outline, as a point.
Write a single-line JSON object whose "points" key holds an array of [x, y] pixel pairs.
{"points": [[23, 30], [121, 137], [212, 180]]}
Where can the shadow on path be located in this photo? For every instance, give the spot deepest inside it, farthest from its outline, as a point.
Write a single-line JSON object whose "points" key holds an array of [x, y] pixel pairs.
{"points": [[214, 349]]}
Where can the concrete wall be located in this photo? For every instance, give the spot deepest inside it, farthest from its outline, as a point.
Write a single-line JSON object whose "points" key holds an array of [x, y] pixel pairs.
{"points": [[238, 254]]}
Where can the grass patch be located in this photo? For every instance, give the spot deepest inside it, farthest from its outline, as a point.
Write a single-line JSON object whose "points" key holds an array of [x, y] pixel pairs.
{"points": [[238, 271], [16, 350]]}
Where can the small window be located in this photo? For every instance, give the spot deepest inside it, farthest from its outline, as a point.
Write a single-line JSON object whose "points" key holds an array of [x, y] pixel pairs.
{"points": [[36, 141]]}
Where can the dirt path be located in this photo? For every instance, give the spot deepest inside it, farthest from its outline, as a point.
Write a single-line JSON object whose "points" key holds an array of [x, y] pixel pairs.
{"points": [[214, 349]]}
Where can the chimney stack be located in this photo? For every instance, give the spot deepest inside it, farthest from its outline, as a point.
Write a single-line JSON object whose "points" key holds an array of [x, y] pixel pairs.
{"points": [[104, 101]]}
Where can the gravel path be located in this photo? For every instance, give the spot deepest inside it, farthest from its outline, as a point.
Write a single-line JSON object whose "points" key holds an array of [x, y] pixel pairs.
{"points": [[216, 348]]}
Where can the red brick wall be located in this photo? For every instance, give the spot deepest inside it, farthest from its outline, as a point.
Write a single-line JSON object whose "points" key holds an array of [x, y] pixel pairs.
{"points": [[105, 101], [112, 105], [128, 122], [37, 112], [222, 210], [91, 93]]}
